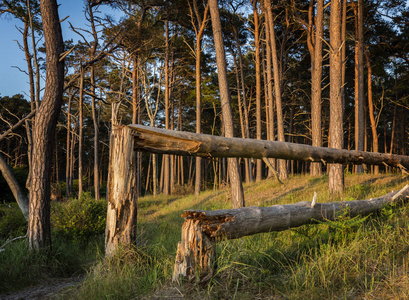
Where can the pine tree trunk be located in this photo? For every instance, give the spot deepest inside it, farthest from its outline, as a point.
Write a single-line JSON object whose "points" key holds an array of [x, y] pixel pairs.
{"points": [[336, 174], [198, 177], [81, 133], [375, 144], [166, 158], [359, 82], [277, 87], [39, 229], [269, 90], [258, 85], [234, 168], [316, 74]]}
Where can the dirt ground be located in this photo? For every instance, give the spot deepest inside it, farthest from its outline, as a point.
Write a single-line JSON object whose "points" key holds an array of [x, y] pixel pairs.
{"points": [[45, 291]]}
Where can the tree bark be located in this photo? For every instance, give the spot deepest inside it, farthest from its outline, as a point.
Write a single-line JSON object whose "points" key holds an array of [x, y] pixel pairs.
{"points": [[199, 30], [158, 140], [316, 77], [67, 157], [258, 85], [359, 82], [234, 168], [277, 86], [81, 132], [122, 196], [375, 143], [166, 158], [268, 82], [39, 229], [336, 172]]}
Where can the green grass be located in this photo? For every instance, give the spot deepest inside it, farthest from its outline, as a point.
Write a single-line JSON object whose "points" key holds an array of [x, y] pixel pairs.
{"points": [[359, 258]]}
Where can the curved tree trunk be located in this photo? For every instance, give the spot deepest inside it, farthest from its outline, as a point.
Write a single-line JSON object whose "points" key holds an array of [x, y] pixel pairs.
{"points": [[15, 188]]}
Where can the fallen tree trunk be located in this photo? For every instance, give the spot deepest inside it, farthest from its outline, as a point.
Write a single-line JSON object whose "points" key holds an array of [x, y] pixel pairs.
{"points": [[186, 143], [202, 228]]}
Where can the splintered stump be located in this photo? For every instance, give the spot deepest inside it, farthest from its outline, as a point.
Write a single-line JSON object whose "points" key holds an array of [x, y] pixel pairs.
{"points": [[196, 254], [122, 193]]}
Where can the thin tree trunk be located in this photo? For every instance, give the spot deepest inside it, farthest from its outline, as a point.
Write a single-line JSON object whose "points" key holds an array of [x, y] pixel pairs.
{"points": [[81, 133], [234, 168], [248, 164], [375, 144], [277, 87], [258, 85], [67, 158], [269, 88], [336, 174], [316, 74], [359, 82], [166, 158]]}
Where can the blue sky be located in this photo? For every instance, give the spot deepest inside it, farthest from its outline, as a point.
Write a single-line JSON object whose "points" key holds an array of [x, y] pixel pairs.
{"points": [[13, 81]]}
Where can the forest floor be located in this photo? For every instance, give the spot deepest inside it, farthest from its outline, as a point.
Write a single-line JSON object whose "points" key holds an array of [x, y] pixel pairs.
{"points": [[49, 290]]}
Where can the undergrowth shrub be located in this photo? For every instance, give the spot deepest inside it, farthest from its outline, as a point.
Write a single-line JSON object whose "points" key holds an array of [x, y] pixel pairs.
{"points": [[12, 222], [79, 219]]}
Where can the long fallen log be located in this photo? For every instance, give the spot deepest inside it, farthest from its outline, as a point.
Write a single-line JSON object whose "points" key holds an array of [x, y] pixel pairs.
{"points": [[186, 143], [195, 253]]}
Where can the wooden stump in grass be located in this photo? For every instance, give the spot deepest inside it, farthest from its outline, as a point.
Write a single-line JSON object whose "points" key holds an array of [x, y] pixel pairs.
{"points": [[195, 255]]}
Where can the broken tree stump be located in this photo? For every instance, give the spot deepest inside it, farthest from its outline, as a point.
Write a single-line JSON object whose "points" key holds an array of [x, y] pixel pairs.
{"points": [[122, 193], [195, 253], [201, 229]]}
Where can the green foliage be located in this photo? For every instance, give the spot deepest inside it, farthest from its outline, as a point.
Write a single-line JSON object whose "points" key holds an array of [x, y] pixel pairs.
{"points": [[79, 219], [12, 221]]}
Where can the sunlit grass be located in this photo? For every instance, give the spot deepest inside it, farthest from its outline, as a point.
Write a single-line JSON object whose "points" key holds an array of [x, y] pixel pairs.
{"points": [[360, 258]]}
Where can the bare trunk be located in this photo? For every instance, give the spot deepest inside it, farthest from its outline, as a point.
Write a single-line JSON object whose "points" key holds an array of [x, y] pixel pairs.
{"points": [[258, 85], [316, 76], [269, 89], [39, 229], [234, 168], [336, 174], [277, 87], [371, 111], [359, 83], [166, 158], [198, 178], [81, 133]]}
